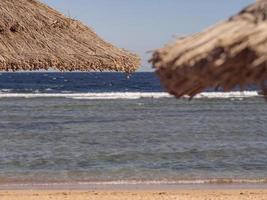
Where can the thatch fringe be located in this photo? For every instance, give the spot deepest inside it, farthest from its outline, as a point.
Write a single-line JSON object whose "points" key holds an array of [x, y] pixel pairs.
{"points": [[34, 36], [230, 54]]}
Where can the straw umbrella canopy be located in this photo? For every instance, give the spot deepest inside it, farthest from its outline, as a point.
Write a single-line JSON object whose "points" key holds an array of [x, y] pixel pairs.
{"points": [[34, 36], [229, 54]]}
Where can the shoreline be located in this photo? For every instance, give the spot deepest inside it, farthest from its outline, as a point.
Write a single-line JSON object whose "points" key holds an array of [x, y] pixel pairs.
{"points": [[161, 194], [131, 186], [122, 191]]}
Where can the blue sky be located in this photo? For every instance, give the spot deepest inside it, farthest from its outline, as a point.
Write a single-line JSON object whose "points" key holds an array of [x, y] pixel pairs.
{"points": [[144, 25]]}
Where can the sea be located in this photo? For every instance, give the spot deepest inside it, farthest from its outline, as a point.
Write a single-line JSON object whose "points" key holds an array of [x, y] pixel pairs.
{"points": [[114, 128]]}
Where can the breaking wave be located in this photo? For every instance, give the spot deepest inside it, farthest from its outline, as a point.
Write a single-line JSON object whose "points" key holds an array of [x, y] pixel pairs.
{"points": [[127, 95]]}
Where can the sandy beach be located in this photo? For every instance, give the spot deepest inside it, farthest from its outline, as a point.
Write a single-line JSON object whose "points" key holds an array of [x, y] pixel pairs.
{"points": [[235, 194]]}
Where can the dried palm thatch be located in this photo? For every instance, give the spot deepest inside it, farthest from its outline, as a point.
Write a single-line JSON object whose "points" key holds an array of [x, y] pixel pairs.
{"points": [[232, 53], [34, 36]]}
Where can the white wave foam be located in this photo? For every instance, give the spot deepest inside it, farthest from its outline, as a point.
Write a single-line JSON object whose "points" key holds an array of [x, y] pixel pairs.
{"points": [[6, 90], [136, 183], [178, 182], [227, 95], [128, 95], [87, 96], [125, 95]]}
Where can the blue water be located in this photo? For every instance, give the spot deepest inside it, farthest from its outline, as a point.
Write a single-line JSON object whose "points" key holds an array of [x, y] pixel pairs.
{"points": [[79, 82], [61, 138]]}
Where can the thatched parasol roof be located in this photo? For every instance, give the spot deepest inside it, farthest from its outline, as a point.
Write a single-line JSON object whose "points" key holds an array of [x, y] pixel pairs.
{"points": [[232, 53], [34, 36]]}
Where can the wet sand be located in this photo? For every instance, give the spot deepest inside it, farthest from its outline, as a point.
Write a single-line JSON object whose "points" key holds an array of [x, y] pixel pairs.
{"points": [[224, 194], [93, 191]]}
